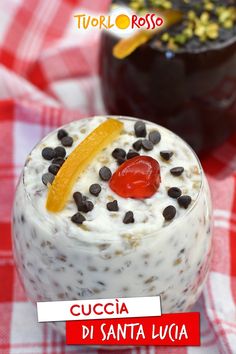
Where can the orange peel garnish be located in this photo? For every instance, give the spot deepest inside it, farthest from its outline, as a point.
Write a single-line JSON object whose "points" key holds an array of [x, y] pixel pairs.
{"points": [[125, 46], [78, 160]]}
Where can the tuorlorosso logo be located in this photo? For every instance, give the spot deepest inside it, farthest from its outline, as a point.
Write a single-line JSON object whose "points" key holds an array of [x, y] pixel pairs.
{"points": [[121, 19]]}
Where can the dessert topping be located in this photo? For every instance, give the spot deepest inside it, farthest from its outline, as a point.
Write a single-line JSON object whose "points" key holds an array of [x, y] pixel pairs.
{"points": [[95, 189], [138, 177], [112, 206], [78, 160], [169, 213], [132, 154], [60, 151], [202, 21], [137, 145], [166, 154], [120, 161], [119, 153], [154, 136], [174, 192], [47, 178], [67, 141], [54, 169], [177, 171], [147, 145], [184, 201], [82, 203], [126, 46], [79, 198], [105, 173], [78, 218], [61, 134], [48, 153], [58, 161], [128, 218], [140, 129], [86, 206]]}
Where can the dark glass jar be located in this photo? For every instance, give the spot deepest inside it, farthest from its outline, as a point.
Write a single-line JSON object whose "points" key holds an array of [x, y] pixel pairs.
{"points": [[192, 92]]}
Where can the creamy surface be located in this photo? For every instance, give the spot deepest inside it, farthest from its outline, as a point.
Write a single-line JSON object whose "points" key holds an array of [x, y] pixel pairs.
{"points": [[101, 223]]}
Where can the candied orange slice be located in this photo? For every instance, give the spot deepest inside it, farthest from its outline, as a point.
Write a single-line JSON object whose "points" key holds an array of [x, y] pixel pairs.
{"points": [[126, 46], [78, 160]]}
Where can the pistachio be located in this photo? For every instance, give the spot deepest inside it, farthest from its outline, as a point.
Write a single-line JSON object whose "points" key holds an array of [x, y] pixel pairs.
{"points": [[191, 15], [137, 5], [228, 24], [200, 31], [180, 38], [226, 16], [167, 5], [204, 18], [208, 6], [205, 29], [212, 30], [162, 4], [188, 32], [134, 6], [172, 45], [165, 37]]}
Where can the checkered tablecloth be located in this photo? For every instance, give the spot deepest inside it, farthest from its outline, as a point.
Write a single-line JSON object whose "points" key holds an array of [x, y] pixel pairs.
{"points": [[49, 76]]}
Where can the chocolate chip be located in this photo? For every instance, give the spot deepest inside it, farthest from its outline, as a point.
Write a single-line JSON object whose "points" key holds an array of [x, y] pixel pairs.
{"points": [[120, 161], [137, 145], [105, 173], [86, 206], [147, 144], [53, 169], [166, 154], [58, 161], [154, 137], [184, 201], [48, 153], [140, 129], [61, 134], [95, 189], [113, 206], [169, 212], [177, 171], [119, 153], [128, 218], [47, 178], [78, 218], [67, 141], [174, 192], [82, 203], [60, 151], [79, 198], [132, 154]]}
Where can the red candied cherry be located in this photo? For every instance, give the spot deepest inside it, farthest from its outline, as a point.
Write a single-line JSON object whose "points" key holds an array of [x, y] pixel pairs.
{"points": [[138, 177]]}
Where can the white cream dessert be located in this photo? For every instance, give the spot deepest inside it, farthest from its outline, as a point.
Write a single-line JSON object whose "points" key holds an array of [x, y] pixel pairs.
{"points": [[103, 245]]}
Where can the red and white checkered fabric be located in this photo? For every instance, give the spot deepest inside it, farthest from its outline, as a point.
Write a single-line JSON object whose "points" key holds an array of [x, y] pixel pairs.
{"points": [[49, 76]]}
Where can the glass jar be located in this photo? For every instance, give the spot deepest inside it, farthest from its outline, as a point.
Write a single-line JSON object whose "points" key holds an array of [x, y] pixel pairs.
{"points": [[54, 264], [191, 92]]}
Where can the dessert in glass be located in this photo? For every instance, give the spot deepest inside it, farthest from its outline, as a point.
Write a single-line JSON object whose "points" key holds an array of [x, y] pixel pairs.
{"points": [[113, 207], [184, 77]]}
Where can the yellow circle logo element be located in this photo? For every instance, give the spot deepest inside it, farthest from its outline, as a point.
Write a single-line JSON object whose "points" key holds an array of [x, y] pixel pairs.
{"points": [[122, 21]]}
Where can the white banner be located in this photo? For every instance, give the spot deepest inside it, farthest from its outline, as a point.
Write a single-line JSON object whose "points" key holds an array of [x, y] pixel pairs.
{"points": [[99, 309]]}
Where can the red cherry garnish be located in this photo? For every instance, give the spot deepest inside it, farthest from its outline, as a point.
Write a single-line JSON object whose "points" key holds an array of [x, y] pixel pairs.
{"points": [[138, 177]]}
